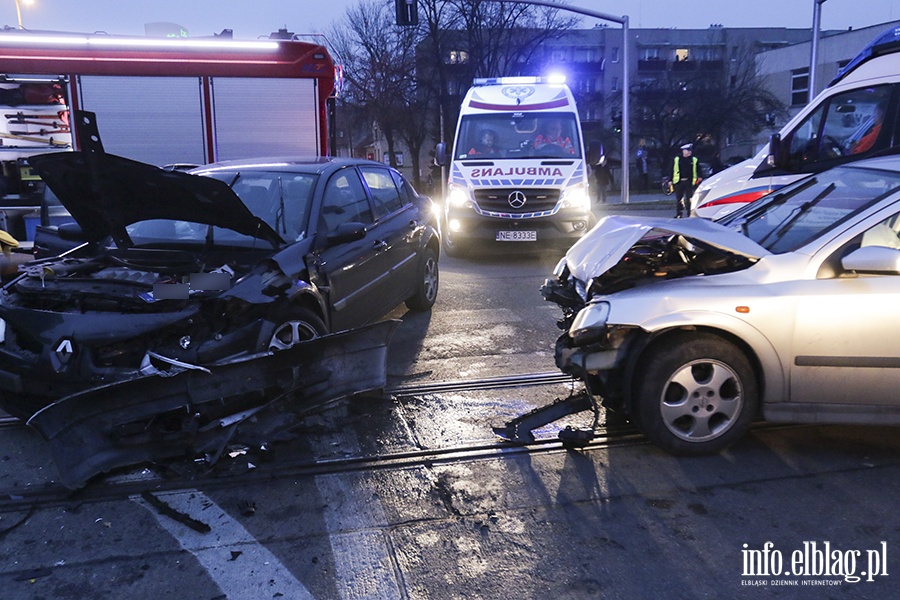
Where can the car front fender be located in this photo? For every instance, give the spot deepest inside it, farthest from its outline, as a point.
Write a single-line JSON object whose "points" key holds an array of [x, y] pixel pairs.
{"points": [[774, 384]]}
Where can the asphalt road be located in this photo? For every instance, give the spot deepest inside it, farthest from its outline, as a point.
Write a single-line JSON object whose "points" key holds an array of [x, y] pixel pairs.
{"points": [[438, 510]]}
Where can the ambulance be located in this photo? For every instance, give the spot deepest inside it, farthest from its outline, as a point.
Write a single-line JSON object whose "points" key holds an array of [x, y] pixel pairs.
{"points": [[518, 177], [854, 117]]}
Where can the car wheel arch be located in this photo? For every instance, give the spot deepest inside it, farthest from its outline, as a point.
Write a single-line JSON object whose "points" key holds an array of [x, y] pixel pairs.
{"points": [[650, 342], [697, 419]]}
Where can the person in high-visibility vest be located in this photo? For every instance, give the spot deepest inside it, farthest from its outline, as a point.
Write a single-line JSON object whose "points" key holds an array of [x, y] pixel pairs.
{"points": [[685, 178]]}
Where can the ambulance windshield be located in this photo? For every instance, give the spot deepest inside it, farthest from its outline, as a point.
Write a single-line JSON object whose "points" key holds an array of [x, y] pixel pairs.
{"points": [[517, 136]]}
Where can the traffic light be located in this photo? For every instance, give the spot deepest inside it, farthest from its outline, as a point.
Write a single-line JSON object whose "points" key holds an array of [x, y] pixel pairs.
{"points": [[407, 12], [615, 120]]}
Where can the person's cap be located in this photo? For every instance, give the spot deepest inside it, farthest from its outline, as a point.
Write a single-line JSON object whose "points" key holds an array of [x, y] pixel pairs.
{"points": [[687, 147]]}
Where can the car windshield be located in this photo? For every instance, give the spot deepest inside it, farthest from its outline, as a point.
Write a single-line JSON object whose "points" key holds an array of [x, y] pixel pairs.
{"points": [[518, 135], [801, 212], [280, 199]]}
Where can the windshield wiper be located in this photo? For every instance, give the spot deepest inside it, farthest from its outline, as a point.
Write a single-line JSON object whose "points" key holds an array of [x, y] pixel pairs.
{"points": [[279, 215], [798, 212]]}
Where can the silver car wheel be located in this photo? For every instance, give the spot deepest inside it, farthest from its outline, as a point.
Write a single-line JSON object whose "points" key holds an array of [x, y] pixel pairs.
{"points": [[292, 332], [701, 400], [430, 278]]}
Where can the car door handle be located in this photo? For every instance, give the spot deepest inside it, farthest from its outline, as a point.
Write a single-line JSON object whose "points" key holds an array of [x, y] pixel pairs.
{"points": [[381, 246]]}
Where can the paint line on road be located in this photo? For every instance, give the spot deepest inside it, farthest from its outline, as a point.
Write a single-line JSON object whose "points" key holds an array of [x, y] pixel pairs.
{"points": [[255, 573]]}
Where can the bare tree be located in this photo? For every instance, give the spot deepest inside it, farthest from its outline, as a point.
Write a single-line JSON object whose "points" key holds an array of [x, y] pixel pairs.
{"points": [[704, 105], [382, 61], [465, 39], [378, 60]]}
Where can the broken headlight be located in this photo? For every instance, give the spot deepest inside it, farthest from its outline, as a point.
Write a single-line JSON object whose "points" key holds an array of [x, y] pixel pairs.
{"points": [[589, 324]]}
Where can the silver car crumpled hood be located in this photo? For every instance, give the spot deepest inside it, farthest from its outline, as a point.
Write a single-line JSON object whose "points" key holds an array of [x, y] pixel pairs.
{"points": [[605, 245]]}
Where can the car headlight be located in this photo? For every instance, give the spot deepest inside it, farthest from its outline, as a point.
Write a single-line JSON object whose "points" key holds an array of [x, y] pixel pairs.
{"points": [[459, 196], [576, 197], [589, 324]]}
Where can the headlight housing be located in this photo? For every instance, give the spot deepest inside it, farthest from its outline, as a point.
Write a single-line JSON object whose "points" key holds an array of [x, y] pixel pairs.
{"points": [[458, 196], [589, 324], [576, 196]]}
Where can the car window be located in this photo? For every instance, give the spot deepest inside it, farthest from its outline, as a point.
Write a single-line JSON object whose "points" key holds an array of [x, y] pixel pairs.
{"points": [[846, 124], [883, 234], [384, 192], [281, 199], [345, 201], [811, 207], [406, 191]]}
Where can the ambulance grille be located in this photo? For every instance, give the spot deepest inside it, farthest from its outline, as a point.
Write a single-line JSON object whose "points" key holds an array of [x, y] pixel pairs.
{"points": [[536, 200]]}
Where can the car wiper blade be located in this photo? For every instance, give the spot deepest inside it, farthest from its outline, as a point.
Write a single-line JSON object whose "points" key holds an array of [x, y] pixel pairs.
{"points": [[279, 216], [780, 231]]}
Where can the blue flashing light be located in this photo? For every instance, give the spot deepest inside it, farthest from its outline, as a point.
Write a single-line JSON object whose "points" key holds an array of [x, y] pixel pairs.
{"points": [[557, 79], [886, 43]]}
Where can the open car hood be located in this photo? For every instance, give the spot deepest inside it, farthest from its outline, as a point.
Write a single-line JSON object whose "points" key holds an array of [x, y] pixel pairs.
{"points": [[124, 191], [605, 245]]}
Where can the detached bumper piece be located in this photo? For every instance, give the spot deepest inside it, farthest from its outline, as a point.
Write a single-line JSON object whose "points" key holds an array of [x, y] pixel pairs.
{"points": [[193, 412], [520, 429]]}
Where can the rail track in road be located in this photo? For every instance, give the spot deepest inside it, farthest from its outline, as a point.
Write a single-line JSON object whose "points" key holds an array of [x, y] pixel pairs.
{"points": [[159, 479], [118, 486]]}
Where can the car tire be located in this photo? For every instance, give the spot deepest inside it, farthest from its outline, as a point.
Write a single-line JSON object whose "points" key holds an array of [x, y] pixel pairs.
{"points": [[299, 325], [427, 281], [696, 394]]}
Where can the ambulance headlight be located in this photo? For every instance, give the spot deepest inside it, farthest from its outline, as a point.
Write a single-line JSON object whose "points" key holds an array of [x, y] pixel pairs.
{"points": [[576, 197], [459, 197]]}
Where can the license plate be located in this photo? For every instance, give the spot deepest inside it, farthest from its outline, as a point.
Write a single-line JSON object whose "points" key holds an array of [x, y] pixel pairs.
{"points": [[517, 236]]}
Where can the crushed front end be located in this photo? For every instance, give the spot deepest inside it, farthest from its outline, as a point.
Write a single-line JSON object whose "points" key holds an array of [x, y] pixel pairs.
{"points": [[602, 330], [70, 324]]}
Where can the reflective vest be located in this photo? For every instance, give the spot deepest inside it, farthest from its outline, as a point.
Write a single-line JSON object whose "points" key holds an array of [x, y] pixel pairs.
{"points": [[676, 175]]}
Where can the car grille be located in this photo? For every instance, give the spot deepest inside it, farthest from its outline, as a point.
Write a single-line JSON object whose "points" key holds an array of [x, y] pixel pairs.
{"points": [[536, 200]]}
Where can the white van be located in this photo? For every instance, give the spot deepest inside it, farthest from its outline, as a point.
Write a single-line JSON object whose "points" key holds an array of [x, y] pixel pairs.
{"points": [[517, 171], [854, 117]]}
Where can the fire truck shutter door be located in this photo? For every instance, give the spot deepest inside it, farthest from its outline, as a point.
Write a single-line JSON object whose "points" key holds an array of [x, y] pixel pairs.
{"points": [[265, 117], [156, 120]]}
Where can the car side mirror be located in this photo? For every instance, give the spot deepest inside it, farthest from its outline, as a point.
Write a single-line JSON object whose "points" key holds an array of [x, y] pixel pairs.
{"points": [[873, 259], [440, 155], [346, 232], [70, 232], [776, 153]]}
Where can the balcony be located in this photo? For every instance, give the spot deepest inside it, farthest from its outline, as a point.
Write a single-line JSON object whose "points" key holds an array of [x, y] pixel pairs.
{"points": [[654, 64]]}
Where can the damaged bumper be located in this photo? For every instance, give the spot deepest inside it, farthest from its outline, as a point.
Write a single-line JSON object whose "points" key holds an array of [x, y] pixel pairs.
{"points": [[195, 411]]}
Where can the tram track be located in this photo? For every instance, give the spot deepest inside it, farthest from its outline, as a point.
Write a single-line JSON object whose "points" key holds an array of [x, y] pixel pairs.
{"points": [[116, 488], [439, 387], [160, 479], [51, 494]]}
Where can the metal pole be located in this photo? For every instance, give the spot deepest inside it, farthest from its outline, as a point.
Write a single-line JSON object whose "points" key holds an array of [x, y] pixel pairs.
{"points": [[626, 152], [19, 14], [814, 54]]}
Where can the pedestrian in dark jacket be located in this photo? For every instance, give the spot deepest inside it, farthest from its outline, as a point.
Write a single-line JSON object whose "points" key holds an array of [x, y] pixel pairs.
{"points": [[603, 179]]}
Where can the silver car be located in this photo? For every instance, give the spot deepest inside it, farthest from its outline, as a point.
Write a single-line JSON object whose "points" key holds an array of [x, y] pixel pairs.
{"points": [[788, 308]]}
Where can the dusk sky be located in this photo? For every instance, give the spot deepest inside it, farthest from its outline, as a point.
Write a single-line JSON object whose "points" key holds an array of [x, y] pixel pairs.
{"points": [[250, 19]]}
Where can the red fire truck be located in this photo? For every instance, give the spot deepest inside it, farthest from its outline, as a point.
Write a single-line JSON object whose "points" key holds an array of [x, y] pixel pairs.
{"points": [[158, 100]]}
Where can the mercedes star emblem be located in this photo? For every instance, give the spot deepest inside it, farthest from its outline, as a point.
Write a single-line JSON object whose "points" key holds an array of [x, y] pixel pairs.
{"points": [[517, 199]]}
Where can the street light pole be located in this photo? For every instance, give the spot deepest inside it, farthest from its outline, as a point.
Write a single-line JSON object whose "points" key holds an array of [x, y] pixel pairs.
{"points": [[814, 54], [19, 11]]}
